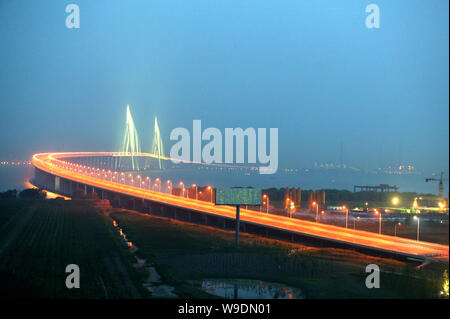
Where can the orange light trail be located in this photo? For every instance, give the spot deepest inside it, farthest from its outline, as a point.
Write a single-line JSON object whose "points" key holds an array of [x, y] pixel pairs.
{"points": [[49, 194], [51, 163]]}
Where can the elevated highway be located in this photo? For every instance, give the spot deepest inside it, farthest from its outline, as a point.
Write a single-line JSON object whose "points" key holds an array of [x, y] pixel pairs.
{"points": [[58, 167]]}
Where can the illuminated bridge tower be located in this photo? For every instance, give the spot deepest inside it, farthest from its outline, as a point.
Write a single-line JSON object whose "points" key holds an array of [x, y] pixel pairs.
{"points": [[157, 146], [130, 144]]}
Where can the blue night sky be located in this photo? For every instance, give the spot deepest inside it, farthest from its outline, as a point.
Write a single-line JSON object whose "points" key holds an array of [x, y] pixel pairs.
{"points": [[310, 68]]}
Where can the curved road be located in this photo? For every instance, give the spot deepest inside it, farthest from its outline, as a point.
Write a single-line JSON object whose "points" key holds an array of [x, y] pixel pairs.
{"points": [[54, 163]]}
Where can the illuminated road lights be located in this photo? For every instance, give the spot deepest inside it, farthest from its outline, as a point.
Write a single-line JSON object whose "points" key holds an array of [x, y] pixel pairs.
{"points": [[210, 189], [379, 221], [291, 206], [395, 201], [346, 215], [169, 185], [139, 180], [196, 191], [266, 197], [317, 211], [387, 243], [182, 193]]}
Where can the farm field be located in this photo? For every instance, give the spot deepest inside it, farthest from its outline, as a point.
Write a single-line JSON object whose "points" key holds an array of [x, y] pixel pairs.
{"points": [[38, 239], [182, 252]]}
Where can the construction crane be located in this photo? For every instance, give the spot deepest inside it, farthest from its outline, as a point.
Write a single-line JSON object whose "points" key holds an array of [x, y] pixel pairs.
{"points": [[441, 183]]}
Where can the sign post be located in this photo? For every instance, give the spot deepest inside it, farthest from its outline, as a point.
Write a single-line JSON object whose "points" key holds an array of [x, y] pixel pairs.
{"points": [[238, 196]]}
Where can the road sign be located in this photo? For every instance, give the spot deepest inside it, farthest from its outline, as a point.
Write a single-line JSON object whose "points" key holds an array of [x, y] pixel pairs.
{"points": [[238, 196]]}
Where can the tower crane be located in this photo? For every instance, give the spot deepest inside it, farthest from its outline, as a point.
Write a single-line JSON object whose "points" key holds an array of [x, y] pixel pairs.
{"points": [[441, 183]]}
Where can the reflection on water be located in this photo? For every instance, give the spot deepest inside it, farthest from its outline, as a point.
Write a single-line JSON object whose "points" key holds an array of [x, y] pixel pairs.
{"points": [[244, 289]]}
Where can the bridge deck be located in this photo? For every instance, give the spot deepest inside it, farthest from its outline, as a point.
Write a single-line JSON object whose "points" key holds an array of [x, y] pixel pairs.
{"points": [[396, 245]]}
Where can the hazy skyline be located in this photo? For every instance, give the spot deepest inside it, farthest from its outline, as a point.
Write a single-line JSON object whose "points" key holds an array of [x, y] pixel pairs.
{"points": [[310, 68]]}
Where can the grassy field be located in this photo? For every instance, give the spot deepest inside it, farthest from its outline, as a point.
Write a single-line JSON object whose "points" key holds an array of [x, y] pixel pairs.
{"points": [[183, 251], [38, 239]]}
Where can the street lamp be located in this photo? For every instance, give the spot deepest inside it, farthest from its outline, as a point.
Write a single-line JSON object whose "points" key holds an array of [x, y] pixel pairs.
{"points": [[139, 179], [263, 202], [317, 210], [266, 197], [346, 216], [395, 201], [395, 228], [211, 192], [182, 188], [379, 223], [291, 207], [196, 191], [418, 226]]}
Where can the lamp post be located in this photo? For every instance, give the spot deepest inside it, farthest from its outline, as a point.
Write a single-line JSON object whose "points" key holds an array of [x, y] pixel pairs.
{"points": [[182, 188], [418, 226], [139, 179], [395, 228], [169, 185], [211, 192], [317, 210], [264, 197], [196, 191], [267, 202], [379, 222], [346, 216], [292, 207]]}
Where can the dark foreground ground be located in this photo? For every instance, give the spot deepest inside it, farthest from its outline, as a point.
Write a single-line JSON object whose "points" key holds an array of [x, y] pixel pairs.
{"points": [[39, 238]]}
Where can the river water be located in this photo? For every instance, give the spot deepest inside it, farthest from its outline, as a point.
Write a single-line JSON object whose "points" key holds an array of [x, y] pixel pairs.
{"points": [[13, 177], [248, 289]]}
